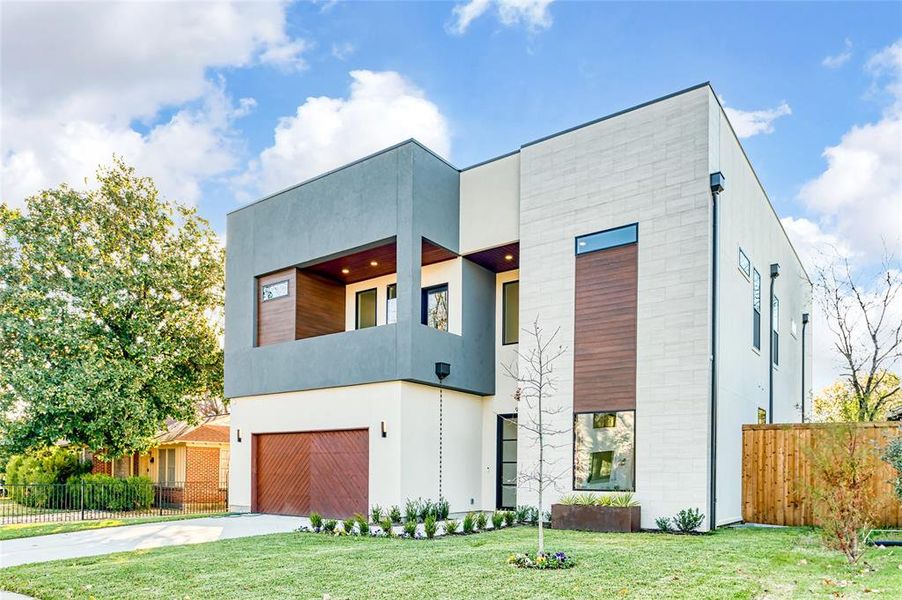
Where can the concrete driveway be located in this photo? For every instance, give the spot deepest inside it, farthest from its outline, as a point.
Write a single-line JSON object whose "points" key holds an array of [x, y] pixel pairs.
{"points": [[137, 537]]}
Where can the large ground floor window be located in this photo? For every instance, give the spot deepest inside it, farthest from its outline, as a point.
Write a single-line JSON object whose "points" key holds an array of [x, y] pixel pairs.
{"points": [[604, 451]]}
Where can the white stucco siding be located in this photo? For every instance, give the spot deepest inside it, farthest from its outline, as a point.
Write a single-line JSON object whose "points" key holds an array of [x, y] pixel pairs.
{"points": [[648, 166], [490, 204], [404, 464], [747, 221]]}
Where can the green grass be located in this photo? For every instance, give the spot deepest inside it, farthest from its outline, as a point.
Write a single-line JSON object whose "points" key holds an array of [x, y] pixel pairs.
{"points": [[733, 563], [23, 530]]}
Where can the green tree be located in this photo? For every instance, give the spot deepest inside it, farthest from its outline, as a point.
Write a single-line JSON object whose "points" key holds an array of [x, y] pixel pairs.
{"points": [[840, 401], [110, 301]]}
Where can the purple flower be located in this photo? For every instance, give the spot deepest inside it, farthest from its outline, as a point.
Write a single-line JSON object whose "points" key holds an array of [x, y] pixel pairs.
{"points": [[560, 556]]}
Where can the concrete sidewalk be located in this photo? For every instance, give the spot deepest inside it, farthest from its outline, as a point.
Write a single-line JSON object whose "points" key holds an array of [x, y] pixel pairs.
{"points": [[138, 537]]}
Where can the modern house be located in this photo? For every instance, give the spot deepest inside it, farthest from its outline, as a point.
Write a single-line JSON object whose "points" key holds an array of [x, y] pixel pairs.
{"points": [[644, 237], [190, 461]]}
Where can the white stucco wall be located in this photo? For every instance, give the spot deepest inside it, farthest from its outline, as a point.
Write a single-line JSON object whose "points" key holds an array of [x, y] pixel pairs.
{"points": [[490, 204], [747, 220], [402, 465], [648, 166]]}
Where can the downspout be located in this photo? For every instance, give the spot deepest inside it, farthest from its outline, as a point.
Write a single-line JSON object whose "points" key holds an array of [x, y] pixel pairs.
{"points": [[774, 273], [717, 186], [805, 319]]}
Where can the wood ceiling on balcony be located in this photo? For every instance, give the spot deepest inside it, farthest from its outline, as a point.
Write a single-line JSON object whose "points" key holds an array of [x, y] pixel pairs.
{"points": [[359, 265], [433, 253], [498, 259]]}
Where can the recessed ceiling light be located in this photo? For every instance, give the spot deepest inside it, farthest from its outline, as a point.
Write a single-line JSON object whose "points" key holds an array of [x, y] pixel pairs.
{"points": [[508, 257], [346, 271], [373, 263]]}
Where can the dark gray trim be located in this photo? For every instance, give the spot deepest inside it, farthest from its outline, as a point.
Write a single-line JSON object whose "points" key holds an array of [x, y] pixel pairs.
{"points": [[634, 226], [717, 187], [388, 287], [490, 160], [620, 112], [504, 341], [804, 326], [424, 294], [375, 307], [499, 446], [774, 273]]}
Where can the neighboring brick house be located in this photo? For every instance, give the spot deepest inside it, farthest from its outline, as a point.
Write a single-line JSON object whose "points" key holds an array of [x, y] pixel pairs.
{"points": [[190, 463]]}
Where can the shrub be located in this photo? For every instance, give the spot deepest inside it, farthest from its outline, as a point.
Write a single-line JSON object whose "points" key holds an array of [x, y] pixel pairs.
{"points": [[41, 469], [104, 492], [481, 520], [509, 518], [410, 527], [533, 516], [363, 524], [664, 524], [427, 508], [329, 525], [442, 509], [376, 512], [469, 521], [316, 521], [893, 455], [604, 501], [580, 499], [497, 519], [522, 513], [542, 560], [348, 525], [688, 520], [430, 525], [411, 510], [624, 499], [843, 465], [394, 513], [386, 526], [450, 526]]}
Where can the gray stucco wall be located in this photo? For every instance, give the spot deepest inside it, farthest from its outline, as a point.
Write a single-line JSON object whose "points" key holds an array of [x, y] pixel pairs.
{"points": [[405, 192]]}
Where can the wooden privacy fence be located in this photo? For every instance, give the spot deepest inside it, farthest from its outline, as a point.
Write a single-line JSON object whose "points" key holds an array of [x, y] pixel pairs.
{"points": [[776, 472]]}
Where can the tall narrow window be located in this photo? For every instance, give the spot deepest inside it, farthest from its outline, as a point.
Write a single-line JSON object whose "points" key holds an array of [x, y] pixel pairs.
{"points": [[775, 334], [391, 303], [434, 310], [166, 474], [366, 309], [604, 451], [744, 264], [756, 309], [510, 323]]}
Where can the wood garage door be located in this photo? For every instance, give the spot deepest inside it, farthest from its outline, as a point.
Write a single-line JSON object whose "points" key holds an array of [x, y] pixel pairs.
{"points": [[317, 471]]}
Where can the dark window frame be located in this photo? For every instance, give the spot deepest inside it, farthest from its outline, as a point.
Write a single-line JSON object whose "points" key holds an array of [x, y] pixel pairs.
{"points": [[389, 287], [635, 240], [756, 310], [499, 445], [573, 454], [424, 304], [504, 288], [375, 308], [775, 330]]}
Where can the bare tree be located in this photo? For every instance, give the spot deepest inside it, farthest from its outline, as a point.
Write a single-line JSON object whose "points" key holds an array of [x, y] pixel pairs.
{"points": [[534, 374], [867, 329], [211, 405]]}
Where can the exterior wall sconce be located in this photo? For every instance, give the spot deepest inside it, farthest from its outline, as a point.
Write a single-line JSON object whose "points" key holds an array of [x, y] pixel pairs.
{"points": [[384, 430], [238, 435]]}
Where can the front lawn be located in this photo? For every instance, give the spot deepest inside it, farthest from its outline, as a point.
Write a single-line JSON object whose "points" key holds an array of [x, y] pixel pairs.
{"points": [[22, 530], [733, 563]]}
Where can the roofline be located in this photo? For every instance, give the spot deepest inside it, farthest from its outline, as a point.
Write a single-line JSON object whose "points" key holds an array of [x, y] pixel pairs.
{"points": [[761, 186], [490, 160], [345, 166]]}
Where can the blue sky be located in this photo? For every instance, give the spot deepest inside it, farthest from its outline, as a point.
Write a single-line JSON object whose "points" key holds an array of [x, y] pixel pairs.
{"points": [[222, 102]]}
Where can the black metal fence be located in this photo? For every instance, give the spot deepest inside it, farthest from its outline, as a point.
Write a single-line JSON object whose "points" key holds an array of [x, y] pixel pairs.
{"points": [[80, 500]]}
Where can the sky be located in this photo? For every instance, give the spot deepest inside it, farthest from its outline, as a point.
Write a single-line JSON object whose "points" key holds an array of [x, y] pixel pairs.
{"points": [[224, 102]]}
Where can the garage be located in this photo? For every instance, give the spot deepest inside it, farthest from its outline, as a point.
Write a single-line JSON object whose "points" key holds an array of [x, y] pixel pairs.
{"points": [[313, 471]]}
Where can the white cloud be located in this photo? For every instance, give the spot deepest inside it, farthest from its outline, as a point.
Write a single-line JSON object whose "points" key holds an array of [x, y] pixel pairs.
{"points": [[77, 76], [532, 14], [747, 123], [811, 242], [383, 108], [837, 60], [343, 50]]}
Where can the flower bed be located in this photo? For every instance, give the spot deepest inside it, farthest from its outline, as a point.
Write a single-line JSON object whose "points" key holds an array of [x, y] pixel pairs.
{"points": [[541, 560]]}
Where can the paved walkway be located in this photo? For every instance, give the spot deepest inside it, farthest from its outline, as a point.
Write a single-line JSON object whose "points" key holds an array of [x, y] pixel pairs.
{"points": [[95, 542]]}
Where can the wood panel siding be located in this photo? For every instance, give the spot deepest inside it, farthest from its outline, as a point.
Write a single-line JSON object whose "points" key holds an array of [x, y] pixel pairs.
{"points": [[276, 318], [318, 471], [604, 353], [431, 253], [776, 473], [320, 306]]}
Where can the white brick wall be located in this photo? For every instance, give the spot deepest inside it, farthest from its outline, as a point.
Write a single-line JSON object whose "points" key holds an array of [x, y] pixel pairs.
{"points": [[648, 166]]}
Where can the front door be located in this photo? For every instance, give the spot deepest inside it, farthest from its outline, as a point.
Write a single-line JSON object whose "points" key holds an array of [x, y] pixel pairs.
{"points": [[506, 473]]}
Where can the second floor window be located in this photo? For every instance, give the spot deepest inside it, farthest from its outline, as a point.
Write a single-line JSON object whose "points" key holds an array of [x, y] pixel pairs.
{"points": [[775, 334], [510, 327], [366, 309], [391, 303], [435, 307], [756, 309]]}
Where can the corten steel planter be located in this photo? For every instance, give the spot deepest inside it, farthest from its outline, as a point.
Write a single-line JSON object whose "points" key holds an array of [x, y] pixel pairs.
{"points": [[623, 519]]}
